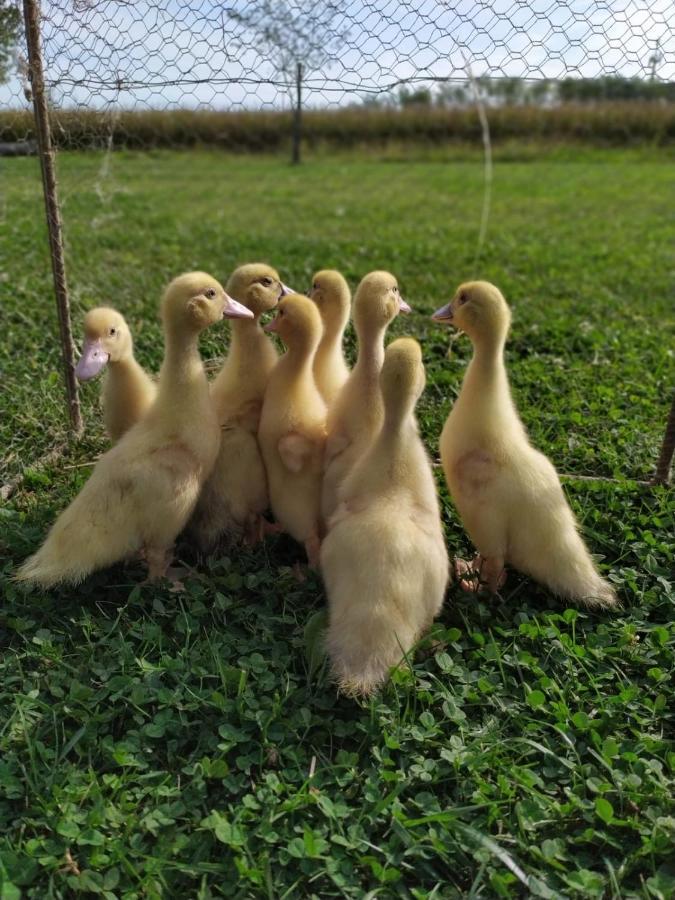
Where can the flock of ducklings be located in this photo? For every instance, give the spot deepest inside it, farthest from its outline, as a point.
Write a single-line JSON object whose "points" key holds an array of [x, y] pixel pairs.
{"points": [[335, 454]]}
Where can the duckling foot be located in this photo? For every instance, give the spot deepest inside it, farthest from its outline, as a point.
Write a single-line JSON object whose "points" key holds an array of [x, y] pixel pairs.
{"points": [[482, 572], [313, 550], [175, 574], [258, 528], [467, 575], [159, 567]]}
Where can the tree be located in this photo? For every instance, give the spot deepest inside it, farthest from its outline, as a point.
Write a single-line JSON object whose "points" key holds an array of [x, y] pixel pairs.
{"points": [[414, 98], [298, 37], [10, 27]]}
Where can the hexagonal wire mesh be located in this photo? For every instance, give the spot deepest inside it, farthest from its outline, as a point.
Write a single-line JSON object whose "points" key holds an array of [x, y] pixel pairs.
{"points": [[236, 74], [120, 57]]}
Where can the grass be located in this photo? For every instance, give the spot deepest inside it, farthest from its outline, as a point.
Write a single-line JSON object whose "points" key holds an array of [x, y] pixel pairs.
{"points": [[161, 745]]}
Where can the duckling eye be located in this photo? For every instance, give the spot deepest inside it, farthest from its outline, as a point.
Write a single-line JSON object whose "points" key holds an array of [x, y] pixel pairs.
{"points": [[266, 281], [112, 332], [462, 298], [210, 293]]}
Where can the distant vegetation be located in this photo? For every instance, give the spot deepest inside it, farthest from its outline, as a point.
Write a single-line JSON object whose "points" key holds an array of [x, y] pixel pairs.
{"points": [[614, 123], [542, 92]]}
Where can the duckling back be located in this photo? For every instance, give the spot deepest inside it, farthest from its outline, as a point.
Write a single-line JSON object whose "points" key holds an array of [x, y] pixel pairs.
{"points": [[384, 560]]}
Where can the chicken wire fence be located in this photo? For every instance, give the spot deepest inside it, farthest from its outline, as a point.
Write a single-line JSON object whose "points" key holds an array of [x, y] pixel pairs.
{"points": [[234, 74], [272, 74]]}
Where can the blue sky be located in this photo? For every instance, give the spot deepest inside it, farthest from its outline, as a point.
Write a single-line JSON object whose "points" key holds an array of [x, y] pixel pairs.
{"points": [[108, 53]]}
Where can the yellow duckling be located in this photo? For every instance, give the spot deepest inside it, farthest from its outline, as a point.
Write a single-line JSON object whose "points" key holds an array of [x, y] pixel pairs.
{"points": [[384, 559], [331, 294], [356, 416], [143, 490], [128, 391], [234, 496], [292, 430], [507, 493]]}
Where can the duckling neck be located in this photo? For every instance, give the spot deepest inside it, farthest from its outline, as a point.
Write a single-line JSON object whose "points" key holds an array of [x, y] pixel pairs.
{"points": [[371, 351], [486, 385], [330, 346], [398, 421], [123, 370], [387, 464], [247, 338], [182, 378], [299, 358]]}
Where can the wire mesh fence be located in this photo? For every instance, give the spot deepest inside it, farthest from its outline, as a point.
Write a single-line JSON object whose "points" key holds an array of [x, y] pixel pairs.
{"points": [[295, 76], [240, 74]]}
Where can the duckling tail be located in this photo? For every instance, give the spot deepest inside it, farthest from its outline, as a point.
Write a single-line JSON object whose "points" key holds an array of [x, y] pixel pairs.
{"points": [[571, 573], [81, 541]]}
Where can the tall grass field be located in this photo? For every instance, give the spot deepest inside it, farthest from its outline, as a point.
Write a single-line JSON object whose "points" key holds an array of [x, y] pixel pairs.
{"points": [[602, 124], [157, 744]]}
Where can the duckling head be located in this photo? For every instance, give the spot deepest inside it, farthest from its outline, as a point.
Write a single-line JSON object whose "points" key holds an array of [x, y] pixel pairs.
{"points": [[331, 294], [257, 286], [106, 338], [402, 378], [196, 300], [479, 309], [298, 323], [377, 301]]}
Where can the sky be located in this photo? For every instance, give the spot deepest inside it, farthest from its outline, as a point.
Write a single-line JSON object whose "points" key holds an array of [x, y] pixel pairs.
{"points": [[108, 54]]}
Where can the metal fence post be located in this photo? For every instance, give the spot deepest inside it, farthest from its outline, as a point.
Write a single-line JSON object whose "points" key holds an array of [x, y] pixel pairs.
{"points": [[667, 449], [31, 11], [297, 115]]}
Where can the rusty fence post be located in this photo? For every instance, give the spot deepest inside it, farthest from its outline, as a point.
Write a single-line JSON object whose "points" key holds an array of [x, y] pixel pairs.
{"points": [[31, 10], [667, 449]]}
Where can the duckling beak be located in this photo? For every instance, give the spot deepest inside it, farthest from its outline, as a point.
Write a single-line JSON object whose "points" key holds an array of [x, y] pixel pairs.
{"points": [[285, 290], [403, 306], [92, 361], [235, 310], [273, 325], [444, 314]]}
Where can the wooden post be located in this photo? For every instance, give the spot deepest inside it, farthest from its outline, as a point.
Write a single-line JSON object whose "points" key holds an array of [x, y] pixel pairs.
{"points": [[297, 115], [662, 473], [31, 11]]}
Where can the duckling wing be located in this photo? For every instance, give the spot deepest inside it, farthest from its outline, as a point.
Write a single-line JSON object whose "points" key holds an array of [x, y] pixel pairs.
{"points": [[335, 444], [296, 450]]}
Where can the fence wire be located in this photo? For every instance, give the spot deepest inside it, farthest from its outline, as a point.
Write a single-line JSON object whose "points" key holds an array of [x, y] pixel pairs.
{"points": [[118, 56]]}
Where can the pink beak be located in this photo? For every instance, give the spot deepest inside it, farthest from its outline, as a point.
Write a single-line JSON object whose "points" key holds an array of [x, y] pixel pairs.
{"points": [[444, 314], [235, 310], [273, 325], [285, 290], [403, 306], [92, 361]]}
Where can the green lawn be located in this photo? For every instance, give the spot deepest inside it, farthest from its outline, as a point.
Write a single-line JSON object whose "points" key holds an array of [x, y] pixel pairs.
{"points": [[154, 744]]}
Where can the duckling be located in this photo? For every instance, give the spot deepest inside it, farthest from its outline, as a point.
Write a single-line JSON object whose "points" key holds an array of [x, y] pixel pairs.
{"points": [[331, 294], [356, 416], [142, 491], [508, 494], [128, 391], [292, 429], [384, 559], [234, 497]]}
